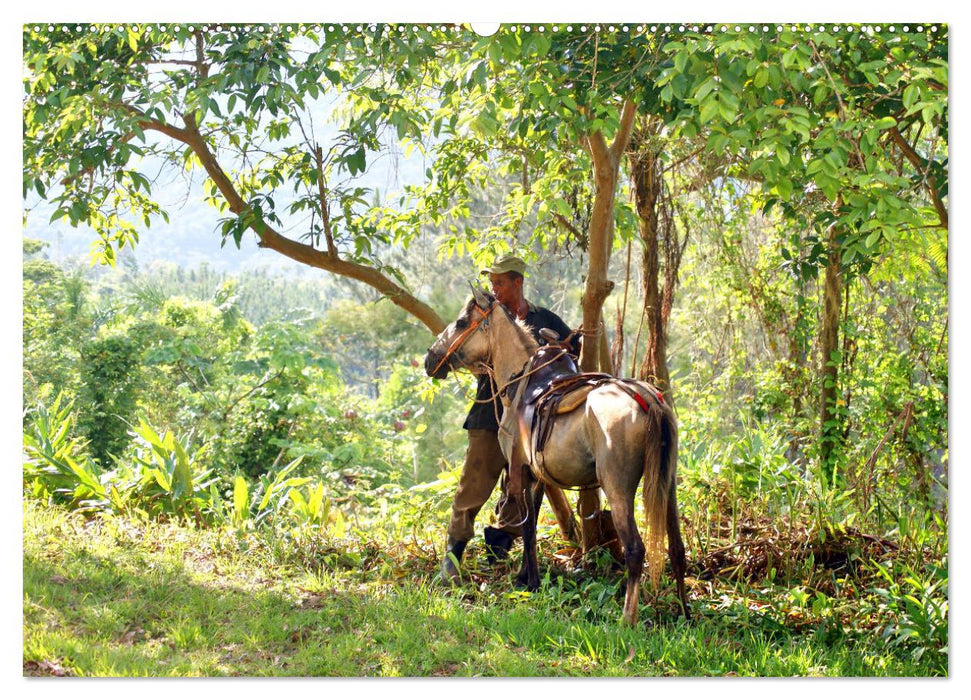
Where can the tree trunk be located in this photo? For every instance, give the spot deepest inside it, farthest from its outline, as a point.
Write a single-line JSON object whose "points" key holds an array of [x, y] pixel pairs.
{"points": [[595, 354], [606, 173], [646, 180], [829, 428], [647, 188]]}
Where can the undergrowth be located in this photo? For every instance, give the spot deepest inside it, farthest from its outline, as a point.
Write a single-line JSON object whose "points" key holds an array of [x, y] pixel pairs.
{"points": [[158, 567], [109, 595]]}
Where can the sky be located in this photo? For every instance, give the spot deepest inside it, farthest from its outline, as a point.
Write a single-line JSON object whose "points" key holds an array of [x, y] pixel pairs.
{"points": [[191, 235]]}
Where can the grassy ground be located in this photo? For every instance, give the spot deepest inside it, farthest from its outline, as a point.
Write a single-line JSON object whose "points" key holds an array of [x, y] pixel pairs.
{"points": [[112, 597]]}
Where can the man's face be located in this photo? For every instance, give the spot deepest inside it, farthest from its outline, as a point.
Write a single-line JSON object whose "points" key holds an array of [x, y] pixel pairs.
{"points": [[507, 289]]}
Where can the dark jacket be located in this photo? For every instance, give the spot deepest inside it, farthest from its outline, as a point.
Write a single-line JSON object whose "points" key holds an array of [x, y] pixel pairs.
{"points": [[482, 416]]}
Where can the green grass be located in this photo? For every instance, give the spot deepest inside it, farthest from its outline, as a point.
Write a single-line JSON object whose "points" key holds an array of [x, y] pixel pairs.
{"points": [[115, 597]]}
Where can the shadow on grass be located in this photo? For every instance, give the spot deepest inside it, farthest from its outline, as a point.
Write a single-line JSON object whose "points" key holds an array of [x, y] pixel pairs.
{"points": [[134, 612], [94, 616]]}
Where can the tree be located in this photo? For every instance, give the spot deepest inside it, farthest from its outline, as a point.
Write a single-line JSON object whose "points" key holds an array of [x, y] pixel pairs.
{"points": [[660, 241], [54, 325], [819, 121], [107, 104], [109, 392]]}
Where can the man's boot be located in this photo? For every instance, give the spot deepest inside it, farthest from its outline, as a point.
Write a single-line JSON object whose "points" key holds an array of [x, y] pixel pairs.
{"points": [[498, 543], [450, 571]]}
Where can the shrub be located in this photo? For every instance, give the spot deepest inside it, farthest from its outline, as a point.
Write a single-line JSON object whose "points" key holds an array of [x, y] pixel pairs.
{"points": [[57, 466], [108, 393]]}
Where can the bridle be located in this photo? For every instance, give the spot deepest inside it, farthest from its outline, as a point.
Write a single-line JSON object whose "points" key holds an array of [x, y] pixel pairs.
{"points": [[481, 322]]}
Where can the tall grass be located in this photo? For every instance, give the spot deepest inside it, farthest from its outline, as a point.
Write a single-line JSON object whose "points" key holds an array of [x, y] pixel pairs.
{"points": [[106, 595]]}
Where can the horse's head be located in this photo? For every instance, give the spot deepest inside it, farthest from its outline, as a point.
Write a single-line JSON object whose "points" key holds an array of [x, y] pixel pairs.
{"points": [[464, 344]]}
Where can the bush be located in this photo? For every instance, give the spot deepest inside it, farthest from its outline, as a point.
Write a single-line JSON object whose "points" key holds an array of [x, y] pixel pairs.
{"points": [[57, 466], [918, 603], [160, 476], [108, 393]]}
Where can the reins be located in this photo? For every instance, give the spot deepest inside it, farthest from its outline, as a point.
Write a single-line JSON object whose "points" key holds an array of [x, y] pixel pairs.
{"points": [[457, 343], [517, 377], [460, 340]]}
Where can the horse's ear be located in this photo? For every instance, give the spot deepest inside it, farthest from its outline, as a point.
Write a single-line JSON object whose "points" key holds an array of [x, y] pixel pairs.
{"points": [[481, 300]]}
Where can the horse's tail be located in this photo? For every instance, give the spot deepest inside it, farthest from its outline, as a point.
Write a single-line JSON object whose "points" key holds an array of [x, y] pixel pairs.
{"points": [[660, 472]]}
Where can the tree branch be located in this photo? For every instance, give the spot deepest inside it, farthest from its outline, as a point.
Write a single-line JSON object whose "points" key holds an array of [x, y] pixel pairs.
{"points": [[200, 63], [839, 100], [562, 221], [597, 147], [306, 254], [619, 145], [322, 193], [273, 240], [922, 166], [263, 382]]}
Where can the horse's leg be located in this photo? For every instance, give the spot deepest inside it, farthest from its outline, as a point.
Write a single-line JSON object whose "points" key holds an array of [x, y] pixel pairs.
{"points": [[676, 550], [588, 505], [622, 511], [529, 572], [563, 512]]}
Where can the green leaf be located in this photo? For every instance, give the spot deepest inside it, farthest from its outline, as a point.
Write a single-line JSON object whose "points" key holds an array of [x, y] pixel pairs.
{"points": [[709, 109], [356, 162], [510, 45], [911, 95], [240, 500], [487, 124], [680, 61], [761, 78], [885, 123], [705, 88]]}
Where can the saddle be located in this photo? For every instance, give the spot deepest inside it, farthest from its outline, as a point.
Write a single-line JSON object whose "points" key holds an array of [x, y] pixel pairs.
{"points": [[553, 386]]}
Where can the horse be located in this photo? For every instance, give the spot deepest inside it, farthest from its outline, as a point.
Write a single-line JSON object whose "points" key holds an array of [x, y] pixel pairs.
{"points": [[621, 432]]}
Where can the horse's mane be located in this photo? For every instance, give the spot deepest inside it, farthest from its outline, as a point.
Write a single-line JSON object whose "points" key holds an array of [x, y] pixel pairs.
{"points": [[522, 328], [525, 333]]}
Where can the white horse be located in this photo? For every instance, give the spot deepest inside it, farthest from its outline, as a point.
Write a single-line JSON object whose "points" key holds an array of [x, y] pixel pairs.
{"points": [[610, 441]]}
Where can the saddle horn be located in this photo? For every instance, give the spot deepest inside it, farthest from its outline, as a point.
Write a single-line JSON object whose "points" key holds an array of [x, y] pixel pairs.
{"points": [[549, 335]]}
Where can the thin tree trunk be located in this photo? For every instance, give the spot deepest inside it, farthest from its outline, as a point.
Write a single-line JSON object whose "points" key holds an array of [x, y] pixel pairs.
{"points": [[646, 181], [606, 171], [617, 347], [829, 429], [595, 351]]}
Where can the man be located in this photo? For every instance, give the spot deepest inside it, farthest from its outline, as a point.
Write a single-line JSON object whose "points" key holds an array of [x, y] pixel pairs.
{"points": [[484, 462]]}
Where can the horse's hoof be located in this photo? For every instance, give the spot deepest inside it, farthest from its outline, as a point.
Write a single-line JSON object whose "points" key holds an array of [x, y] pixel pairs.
{"points": [[524, 584], [449, 573], [498, 544]]}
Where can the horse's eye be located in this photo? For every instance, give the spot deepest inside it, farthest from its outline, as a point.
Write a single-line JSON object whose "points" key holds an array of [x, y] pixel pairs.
{"points": [[461, 323]]}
